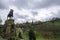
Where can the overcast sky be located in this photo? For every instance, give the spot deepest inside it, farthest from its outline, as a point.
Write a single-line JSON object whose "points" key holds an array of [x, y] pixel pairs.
{"points": [[28, 10]]}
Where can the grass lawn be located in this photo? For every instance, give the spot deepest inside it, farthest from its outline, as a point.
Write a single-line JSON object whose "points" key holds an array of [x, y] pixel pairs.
{"points": [[40, 38], [48, 39]]}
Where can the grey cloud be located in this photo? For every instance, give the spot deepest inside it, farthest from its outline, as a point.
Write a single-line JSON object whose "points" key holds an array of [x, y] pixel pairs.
{"points": [[22, 16], [3, 4], [58, 14], [30, 4], [21, 3], [34, 13], [47, 3], [25, 17]]}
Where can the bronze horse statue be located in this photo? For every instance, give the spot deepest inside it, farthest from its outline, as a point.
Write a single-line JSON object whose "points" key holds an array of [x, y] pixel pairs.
{"points": [[10, 13]]}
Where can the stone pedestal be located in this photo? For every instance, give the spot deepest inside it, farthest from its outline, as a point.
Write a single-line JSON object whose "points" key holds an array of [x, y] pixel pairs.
{"points": [[10, 28]]}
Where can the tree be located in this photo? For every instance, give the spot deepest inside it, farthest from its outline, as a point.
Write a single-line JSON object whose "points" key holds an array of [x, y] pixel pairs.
{"points": [[53, 20]]}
